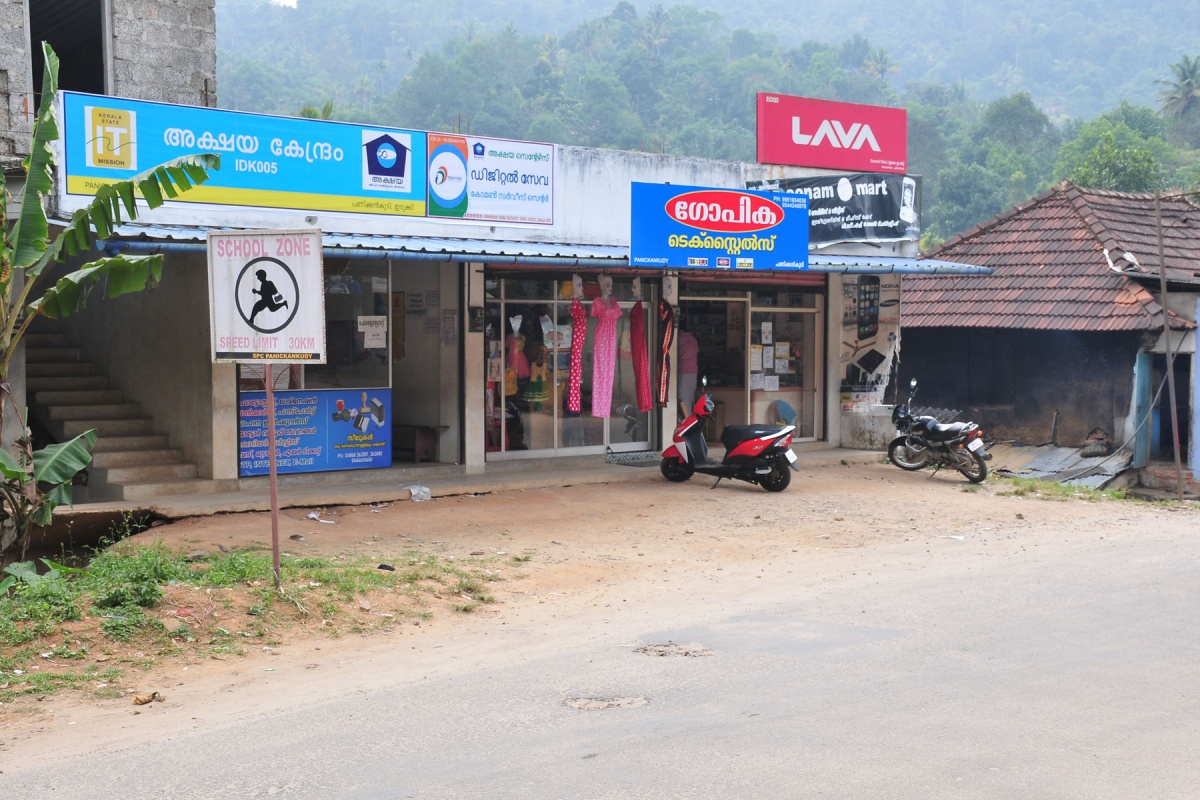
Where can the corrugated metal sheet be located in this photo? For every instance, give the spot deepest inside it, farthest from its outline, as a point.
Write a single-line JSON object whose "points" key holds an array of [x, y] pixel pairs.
{"points": [[493, 250], [1059, 464]]}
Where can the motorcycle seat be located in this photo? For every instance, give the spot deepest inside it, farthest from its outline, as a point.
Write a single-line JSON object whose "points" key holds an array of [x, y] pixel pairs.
{"points": [[733, 435], [942, 433]]}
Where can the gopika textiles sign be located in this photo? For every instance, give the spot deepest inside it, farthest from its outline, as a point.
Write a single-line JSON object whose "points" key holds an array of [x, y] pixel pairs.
{"points": [[708, 228]]}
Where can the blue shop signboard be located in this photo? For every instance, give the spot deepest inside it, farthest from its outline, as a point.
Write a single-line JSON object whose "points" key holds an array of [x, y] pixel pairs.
{"points": [[705, 228], [316, 431]]}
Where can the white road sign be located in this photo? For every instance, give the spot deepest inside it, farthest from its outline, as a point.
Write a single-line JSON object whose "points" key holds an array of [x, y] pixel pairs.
{"points": [[266, 294]]}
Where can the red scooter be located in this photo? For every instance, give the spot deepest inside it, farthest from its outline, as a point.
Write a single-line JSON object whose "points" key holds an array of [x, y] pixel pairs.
{"points": [[759, 454]]}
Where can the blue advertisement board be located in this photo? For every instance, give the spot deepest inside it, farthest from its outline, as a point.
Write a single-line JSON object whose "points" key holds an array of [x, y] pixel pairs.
{"points": [[694, 227], [269, 162], [316, 431]]}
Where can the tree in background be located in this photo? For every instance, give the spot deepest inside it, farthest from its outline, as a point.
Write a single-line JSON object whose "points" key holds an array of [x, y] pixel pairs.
{"points": [[1180, 99]]}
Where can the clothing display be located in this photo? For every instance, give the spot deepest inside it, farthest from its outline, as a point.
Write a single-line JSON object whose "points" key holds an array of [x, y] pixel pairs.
{"points": [[604, 354], [666, 337], [641, 361], [517, 361], [537, 391], [578, 334]]}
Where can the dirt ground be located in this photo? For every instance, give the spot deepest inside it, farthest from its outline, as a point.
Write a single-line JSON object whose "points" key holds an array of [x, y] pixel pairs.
{"points": [[558, 554]]}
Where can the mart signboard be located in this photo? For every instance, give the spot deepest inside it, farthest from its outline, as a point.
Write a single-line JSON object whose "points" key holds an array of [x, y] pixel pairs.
{"points": [[707, 228], [805, 132]]}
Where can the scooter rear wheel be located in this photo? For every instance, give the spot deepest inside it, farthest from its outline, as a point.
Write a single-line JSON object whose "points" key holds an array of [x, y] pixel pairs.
{"points": [[675, 470], [778, 478]]}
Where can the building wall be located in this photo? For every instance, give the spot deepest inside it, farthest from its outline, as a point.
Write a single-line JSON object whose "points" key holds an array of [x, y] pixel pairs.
{"points": [[165, 50], [1086, 378], [16, 91]]}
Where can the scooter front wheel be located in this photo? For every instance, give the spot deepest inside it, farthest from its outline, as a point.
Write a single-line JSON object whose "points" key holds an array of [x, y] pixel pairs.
{"points": [[675, 470], [778, 478]]}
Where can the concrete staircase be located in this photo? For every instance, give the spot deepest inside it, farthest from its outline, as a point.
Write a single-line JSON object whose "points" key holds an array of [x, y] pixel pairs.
{"points": [[67, 396]]}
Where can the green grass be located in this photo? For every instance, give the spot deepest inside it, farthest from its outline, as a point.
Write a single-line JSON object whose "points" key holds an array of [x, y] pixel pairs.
{"points": [[1052, 490], [112, 604]]}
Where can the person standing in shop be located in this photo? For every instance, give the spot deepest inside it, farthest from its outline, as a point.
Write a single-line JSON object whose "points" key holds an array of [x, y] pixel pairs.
{"points": [[689, 358]]}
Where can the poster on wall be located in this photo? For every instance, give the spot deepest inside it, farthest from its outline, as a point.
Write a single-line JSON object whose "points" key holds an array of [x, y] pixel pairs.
{"points": [[870, 338], [694, 227], [266, 161], [316, 431], [861, 207], [496, 180]]}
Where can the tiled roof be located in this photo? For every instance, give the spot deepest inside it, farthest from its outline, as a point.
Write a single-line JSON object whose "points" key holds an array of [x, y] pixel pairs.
{"points": [[1069, 259]]}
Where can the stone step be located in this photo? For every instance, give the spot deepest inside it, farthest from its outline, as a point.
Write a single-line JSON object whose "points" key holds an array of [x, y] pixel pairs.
{"points": [[144, 473], [46, 355], [101, 411], [68, 429], [116, 443], [108, 459], [59, 369], [145, 491], [35, 340], [65, 383], [80, 397]]}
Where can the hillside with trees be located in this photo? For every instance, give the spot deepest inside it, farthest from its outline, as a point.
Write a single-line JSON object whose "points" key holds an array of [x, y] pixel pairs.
{"points": [[681, 80]]}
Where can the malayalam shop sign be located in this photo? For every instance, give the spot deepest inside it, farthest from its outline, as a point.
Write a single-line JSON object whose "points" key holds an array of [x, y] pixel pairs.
{"points": [[707, 228], [804, 132]]}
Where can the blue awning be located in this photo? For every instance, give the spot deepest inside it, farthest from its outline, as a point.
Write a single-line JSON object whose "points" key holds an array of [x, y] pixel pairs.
{"points": [[139, 238]]}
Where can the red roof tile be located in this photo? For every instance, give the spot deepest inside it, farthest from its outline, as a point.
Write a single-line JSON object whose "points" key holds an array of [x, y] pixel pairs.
{"points": [[1069, 259]]}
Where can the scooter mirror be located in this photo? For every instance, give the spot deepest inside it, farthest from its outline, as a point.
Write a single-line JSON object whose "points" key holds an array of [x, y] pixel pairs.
{"points": [[704, 381], [913, 383]]}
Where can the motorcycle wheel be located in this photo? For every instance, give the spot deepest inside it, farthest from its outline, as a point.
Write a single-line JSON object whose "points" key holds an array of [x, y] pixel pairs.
{"points": [[905, 457], [778, 478], [972, 466], [675, 470]]}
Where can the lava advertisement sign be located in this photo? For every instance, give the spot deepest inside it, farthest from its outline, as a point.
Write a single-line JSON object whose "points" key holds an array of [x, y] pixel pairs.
{"points": [[705, 228], [804, 132]]}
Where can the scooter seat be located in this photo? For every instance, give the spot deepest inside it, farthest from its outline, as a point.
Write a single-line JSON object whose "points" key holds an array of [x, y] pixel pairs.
{"points": [[733, 435]]}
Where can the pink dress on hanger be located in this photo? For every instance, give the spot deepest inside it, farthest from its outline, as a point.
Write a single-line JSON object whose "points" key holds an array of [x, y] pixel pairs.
{"points": [[641, 361], [604, 354], [578, 334]]}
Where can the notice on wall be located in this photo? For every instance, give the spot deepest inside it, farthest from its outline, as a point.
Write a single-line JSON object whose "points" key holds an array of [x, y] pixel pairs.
{"points": [[374, 331], [316, 431], [756, 358]]}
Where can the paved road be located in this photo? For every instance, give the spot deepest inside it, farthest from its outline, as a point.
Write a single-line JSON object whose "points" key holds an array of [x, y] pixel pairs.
{"points": [[1025, 665]]}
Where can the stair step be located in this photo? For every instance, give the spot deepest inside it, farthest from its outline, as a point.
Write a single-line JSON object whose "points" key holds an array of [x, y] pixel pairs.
{"points": [[147, 473], [117, 443], [78, 397], [45, 355], [59, 369], [104, 427], [109, 459], [169, 488], [65, 383], [99, 411], [34, 340]]}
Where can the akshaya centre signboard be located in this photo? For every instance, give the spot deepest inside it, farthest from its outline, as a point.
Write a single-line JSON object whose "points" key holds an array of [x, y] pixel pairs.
{"points": [[306, 164], [707, 228]]}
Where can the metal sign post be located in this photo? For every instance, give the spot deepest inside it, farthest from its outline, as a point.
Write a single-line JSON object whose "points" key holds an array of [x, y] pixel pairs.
{"points": [[267, 304]]}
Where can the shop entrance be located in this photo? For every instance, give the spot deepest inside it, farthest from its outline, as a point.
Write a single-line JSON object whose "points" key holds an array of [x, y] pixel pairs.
{"points": [[532, 406], [761, 353]]}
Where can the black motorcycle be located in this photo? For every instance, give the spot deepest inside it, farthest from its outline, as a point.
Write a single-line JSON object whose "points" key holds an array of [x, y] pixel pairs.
{"points": [[925, 442]]}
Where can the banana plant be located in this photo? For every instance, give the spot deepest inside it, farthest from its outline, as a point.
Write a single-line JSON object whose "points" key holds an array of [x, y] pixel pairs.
{"points": [[29, 246]]}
